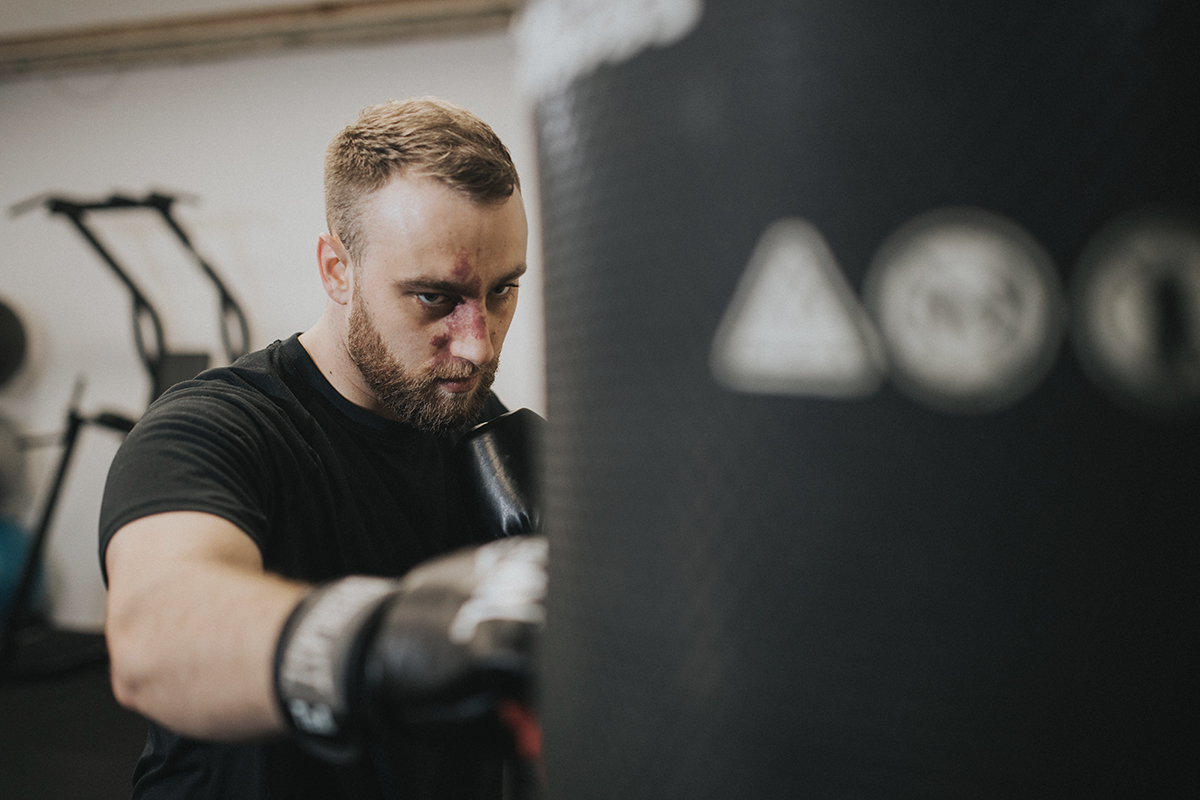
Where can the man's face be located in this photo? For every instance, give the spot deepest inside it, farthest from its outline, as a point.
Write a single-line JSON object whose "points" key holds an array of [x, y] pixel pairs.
{"points": [[432, 296]]}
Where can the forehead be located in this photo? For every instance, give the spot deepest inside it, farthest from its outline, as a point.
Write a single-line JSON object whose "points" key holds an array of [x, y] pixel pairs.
{"points": [[419, 215]]}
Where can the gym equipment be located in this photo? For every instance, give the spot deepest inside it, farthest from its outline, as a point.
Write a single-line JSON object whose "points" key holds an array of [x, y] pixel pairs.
{"points": [[14, 545], [14, 539], [836, 566], [164, 366], [29, 646]]}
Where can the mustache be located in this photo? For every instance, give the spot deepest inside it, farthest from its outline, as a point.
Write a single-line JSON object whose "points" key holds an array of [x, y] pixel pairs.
{"points": [[462, 370]]}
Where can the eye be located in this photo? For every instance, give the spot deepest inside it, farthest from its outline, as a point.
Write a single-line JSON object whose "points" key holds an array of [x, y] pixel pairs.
{"points": [[430, 298], [504, 289]]}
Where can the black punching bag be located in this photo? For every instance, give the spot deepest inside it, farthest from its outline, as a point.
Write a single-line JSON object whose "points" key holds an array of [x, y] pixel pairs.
{"points": [[873, 464]]}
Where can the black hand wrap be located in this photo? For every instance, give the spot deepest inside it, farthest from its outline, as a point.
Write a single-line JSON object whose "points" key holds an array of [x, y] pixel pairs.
{"points": [[368, 658], [499, 464]]}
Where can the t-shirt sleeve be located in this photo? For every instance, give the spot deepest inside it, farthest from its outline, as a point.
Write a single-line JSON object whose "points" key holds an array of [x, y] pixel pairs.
{"points": [[195, 450]]}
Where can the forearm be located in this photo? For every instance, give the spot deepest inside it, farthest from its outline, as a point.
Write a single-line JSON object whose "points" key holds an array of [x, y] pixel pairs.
{"points": [[192, 639]]}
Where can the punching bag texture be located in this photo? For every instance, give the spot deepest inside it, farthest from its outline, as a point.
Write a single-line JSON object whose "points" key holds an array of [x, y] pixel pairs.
{"points": [[873, 336]]}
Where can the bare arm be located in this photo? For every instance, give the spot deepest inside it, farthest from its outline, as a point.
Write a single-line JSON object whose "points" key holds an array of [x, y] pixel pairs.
{"points": [[192, 621]]}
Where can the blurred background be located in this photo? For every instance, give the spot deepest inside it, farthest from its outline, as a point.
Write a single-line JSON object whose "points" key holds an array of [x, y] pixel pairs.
{"points": [[226, 105], [236, 130]]}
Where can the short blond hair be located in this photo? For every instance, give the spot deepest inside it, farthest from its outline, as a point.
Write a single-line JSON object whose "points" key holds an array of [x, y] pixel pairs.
{"points": [[420, 136]]}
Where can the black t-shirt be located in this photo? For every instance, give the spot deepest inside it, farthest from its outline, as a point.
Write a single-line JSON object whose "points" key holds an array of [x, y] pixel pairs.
{"points": [[325, 489]]}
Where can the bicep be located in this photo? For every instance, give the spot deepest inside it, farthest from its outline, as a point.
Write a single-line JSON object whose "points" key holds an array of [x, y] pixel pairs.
{"points": [[161, 543], [164, 570]]}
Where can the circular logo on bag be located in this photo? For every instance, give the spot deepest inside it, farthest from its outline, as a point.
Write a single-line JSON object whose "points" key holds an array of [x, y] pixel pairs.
{"points": [[969, 308], [1137, 311]]}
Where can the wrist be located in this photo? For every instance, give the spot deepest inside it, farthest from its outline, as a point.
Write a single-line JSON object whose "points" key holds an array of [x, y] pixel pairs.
{"points": [[315, 667]]}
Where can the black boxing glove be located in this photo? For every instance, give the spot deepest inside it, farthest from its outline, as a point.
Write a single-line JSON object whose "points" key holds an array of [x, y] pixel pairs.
{"points": [[437, 652], [499, 462], [317, 671]]}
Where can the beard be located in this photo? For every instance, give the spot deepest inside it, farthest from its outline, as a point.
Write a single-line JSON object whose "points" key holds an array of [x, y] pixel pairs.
{"points": [[415, 395]]}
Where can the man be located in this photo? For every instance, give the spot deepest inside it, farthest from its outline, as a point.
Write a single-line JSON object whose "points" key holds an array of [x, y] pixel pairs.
{"points": [[326, 455]]}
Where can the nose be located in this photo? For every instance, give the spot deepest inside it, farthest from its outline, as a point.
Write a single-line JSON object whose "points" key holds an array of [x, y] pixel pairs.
{"points": [[470, 334]]}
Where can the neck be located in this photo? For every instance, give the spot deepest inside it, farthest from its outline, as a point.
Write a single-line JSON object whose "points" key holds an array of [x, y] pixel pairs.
{"points": [[326, 344]]}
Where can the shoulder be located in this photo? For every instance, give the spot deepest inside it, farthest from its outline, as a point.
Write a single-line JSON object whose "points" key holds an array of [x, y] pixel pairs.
{"points": [[215, 444], [269, 373], [260, 382], [241, 412]]}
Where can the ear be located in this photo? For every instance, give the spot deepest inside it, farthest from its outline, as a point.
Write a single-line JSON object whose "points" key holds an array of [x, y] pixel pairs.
{"points": [[334, 265]]}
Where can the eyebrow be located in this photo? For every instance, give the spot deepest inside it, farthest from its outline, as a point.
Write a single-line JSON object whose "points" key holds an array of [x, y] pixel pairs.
{"points": [[450, 287]]}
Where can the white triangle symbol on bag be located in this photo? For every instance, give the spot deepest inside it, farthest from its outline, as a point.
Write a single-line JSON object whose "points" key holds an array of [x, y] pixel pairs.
{"points": [[794, 326]]}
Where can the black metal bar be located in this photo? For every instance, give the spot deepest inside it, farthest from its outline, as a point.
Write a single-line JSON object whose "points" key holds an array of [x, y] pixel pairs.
{"points": [[37, 544], [163, 204], [141, 306]]}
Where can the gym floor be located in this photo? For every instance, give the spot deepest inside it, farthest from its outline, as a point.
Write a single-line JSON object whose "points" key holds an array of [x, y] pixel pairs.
{"points": [[64, 737]]}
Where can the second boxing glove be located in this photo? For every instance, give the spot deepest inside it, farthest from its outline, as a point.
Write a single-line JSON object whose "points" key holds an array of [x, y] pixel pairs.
{"points": [[499, 463]]}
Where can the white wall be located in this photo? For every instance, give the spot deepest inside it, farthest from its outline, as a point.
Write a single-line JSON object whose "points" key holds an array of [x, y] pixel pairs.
{"points": [[247, 137]]}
